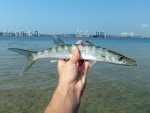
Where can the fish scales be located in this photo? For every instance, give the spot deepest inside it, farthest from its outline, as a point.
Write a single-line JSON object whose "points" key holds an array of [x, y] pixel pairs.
{"points": [[87, 52], [64, 51]]}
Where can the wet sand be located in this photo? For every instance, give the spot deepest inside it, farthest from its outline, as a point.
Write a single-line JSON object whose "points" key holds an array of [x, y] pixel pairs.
{"points": [[25, 101], [103, 93]]}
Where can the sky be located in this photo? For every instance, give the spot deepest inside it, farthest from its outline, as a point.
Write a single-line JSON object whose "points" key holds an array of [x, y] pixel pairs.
{"points": [[65, 16]]}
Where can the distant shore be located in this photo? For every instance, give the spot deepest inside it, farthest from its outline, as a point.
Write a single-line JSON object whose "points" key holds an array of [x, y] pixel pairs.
{"points": [[72, 36]]}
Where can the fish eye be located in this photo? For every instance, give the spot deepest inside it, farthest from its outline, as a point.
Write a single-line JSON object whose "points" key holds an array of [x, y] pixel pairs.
{"points": [[120, 58]]}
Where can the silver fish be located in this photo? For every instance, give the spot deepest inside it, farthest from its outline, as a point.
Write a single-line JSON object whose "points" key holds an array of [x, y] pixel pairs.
{"points": [[63, 51]]}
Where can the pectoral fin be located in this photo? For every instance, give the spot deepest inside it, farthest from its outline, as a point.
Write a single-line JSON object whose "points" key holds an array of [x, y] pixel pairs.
{"points": [[92, 62], [54, 61]]}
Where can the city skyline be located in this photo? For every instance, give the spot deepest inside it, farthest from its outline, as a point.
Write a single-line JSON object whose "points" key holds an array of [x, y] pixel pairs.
{"points": [[64, 17]]}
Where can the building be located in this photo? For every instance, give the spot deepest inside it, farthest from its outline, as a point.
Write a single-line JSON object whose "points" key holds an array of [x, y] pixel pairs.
{"points": [[30, 32], [79, 33], [126, 34]]}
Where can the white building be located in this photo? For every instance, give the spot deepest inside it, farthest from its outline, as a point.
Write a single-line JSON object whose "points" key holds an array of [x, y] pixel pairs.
{"points": [[126, 34], [17, 33], [30, 32], [131, 34], [7, 32], [21, 33], [86, 33], [79, 33]]}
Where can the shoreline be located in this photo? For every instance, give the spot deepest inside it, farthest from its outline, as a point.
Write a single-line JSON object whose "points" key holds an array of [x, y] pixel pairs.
{"points": [[70, 37]]}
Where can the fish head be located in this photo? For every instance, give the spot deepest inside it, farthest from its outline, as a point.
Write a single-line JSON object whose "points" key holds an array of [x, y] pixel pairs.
{"points": [[120, 60]]}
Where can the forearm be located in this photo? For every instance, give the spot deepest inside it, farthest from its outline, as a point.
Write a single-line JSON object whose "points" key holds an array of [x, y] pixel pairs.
{"points": [[65, 100]]}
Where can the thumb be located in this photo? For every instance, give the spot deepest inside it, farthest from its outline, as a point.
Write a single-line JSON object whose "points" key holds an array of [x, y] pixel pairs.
{"points": [[75, 55]]}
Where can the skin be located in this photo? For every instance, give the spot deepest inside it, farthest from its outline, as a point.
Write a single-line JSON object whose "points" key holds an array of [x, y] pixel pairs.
{"points": [[72, 82]]}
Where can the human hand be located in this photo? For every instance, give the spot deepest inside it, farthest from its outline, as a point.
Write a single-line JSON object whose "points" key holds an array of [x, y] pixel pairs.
{"points": [[74, 72], [72, 81]]}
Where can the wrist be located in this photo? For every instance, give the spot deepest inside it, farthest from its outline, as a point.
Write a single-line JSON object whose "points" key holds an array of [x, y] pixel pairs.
{"points": [[66, 94], [69, 90]]}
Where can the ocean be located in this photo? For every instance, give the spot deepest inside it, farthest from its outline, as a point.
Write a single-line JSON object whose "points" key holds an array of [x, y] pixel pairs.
{"points": [[110, 88]]}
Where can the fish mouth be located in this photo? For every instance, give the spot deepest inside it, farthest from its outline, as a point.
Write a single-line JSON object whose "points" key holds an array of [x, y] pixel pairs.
{"points": [[131, 63]]}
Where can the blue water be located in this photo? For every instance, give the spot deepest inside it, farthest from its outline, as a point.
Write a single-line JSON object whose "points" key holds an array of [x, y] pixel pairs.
{"points": [[110, 88]]}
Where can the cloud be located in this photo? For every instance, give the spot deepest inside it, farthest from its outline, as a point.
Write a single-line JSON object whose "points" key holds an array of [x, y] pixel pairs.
{"points": [[145, 25]]}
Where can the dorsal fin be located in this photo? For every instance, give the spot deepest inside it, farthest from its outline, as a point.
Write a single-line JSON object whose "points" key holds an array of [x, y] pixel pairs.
{"points": [[87, 42], [57, 41]]}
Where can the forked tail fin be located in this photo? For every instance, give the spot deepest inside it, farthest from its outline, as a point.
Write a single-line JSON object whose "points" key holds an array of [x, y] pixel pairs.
{"points": [[26, 53]]}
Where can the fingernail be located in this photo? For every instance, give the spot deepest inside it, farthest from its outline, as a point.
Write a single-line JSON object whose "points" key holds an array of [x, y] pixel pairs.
{"points": [[74, 49]]}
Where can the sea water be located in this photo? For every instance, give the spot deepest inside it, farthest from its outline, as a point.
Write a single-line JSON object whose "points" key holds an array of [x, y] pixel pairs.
{"points": [[110, 88]]}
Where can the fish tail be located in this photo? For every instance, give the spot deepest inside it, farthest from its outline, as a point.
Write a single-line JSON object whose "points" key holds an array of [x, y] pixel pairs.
{"points": [[29, 56]]}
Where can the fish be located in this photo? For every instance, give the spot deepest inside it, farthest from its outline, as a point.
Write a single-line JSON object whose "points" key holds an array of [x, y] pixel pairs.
{"points": [[61, 50]]}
